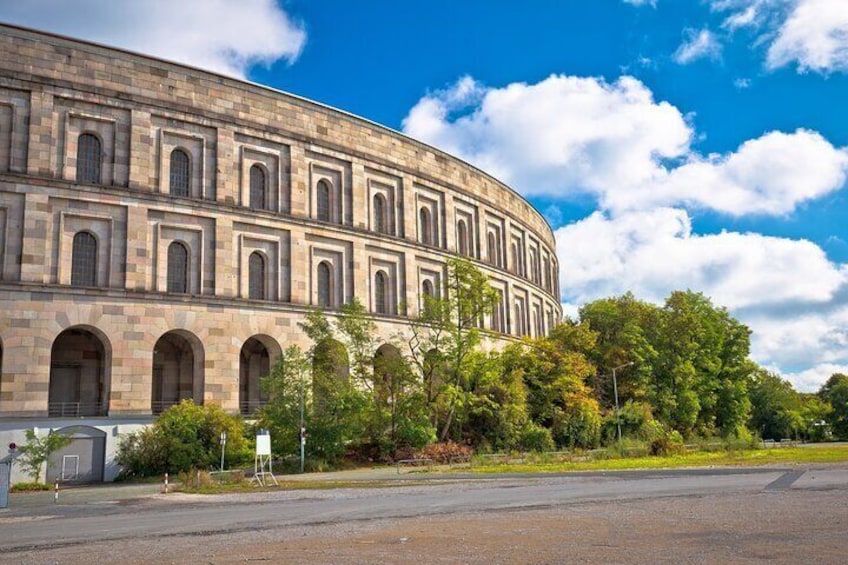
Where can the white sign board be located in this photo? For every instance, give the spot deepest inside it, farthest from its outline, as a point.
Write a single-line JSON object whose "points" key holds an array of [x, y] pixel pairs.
{"points": [[263, 444]]}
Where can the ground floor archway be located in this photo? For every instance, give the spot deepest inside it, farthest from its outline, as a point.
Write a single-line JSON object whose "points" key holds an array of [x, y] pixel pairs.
{"points": [[79, 384], [255, 359], [177, 370]]}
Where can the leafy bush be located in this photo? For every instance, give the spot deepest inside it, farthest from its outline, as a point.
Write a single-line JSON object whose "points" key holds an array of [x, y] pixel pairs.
{"points": [[536, 438], [185, 436], [579, 425], [670, 443]]}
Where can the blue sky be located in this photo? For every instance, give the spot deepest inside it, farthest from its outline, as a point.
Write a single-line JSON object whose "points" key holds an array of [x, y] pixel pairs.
{"points": [[671, 143]]}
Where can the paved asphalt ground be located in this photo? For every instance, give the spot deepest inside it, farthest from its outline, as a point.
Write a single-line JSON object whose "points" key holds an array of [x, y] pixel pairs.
{"points": [[134, 523]]}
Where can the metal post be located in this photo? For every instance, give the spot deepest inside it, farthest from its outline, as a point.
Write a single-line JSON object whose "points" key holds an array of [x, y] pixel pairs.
{"points": [[617, 415], [302, 429], [223, 447], [615, 390]]}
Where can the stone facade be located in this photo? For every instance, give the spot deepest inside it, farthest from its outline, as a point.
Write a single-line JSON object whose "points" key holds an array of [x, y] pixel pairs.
{"points": [[220, 212]]}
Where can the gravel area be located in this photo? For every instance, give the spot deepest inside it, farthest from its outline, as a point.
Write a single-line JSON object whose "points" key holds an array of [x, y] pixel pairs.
{"points": [[800, 526]]}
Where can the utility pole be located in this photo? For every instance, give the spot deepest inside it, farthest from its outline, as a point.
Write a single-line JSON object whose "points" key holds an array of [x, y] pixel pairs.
{"points": [[615, 390]]}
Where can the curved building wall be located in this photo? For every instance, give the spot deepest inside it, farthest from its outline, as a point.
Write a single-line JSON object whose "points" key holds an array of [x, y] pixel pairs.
{"points": [[154, 219]]}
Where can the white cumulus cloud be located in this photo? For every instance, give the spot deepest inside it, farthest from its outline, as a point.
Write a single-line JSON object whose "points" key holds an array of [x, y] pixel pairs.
{"points": [[787, 291], [570, 135], [810, 34], [654, 252], [697, 44], [218, 35], [814, 36], [771, 174]]}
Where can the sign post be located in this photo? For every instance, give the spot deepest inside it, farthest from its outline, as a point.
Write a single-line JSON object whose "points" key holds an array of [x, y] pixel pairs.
{"points": [[262, 470], [6, 474]]}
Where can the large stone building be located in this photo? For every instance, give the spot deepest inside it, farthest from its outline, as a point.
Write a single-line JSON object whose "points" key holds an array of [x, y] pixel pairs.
{"points": [[163, 229]]}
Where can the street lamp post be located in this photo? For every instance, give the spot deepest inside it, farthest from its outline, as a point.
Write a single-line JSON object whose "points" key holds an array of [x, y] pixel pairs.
{"points": [[302, 429], [615, 391]]}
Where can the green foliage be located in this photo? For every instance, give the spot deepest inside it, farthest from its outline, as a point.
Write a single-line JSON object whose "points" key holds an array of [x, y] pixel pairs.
{"points": [[185, 436], [835, 393], [288, 390], [535, 438], [690, 360], [579, 424], [29, 487], [444, 336], [776, 407], [365, 401], [38, 450], [555, 370]]}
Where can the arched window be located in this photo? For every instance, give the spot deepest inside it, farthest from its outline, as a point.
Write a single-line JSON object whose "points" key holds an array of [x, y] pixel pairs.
{"points": [[427, 289], [426, 226], [497, 315], [520, 322], [177, 267], [380, 221], [534, 267], [180, 173], [323, 200], [88, 159], [325, 284], [492, 245], [258, 190], [256, 276], [381, 302], [462, 236], [516, 259], [84, 260]]}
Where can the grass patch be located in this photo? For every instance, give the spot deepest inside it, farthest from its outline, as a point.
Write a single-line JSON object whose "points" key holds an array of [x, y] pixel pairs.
{"points": [[777, 455], [29, 487]]}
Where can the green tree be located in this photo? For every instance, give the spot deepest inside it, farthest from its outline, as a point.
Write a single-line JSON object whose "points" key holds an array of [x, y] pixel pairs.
{"points": [[623, 326], [835, 393], [690, 360], [443, 337], [775, 406], [287, 390], [377, 406], [555, 370], [38, 450], [816, 414]]}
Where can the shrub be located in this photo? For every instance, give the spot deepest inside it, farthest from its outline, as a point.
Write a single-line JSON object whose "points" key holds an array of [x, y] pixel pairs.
{"points": [[579, 425], [670, 443], [536, 438], [185, 436]]}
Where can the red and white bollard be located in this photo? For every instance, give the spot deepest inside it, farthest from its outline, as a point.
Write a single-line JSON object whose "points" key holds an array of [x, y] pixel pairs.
{"points": [[56, 492], [165, 489]]}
